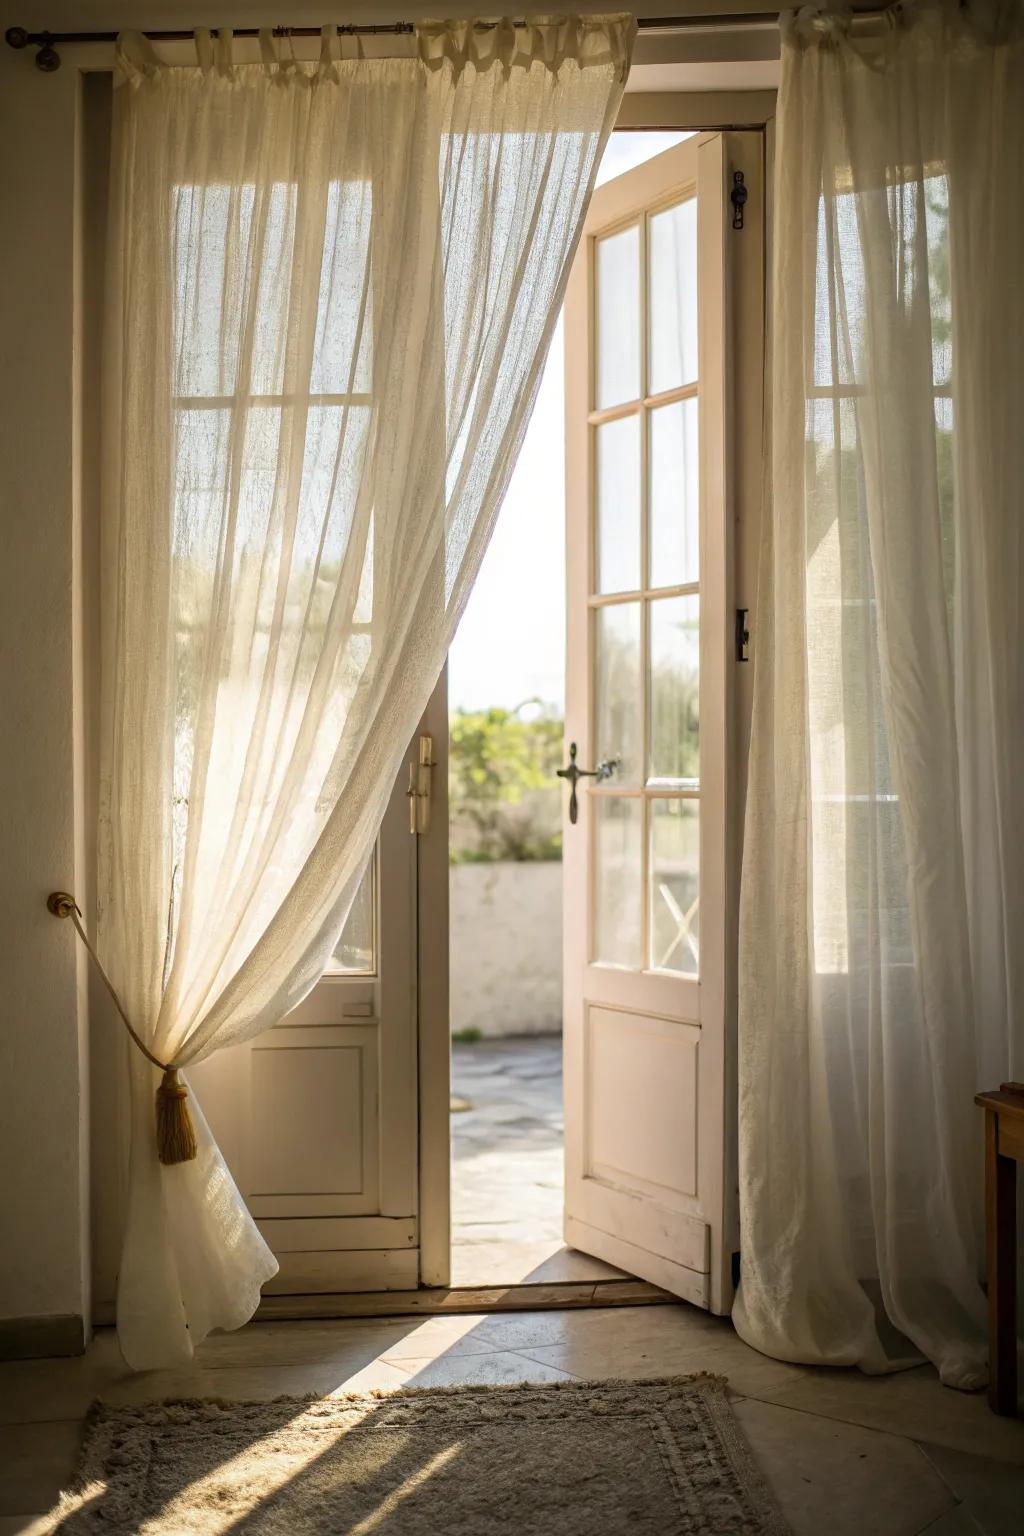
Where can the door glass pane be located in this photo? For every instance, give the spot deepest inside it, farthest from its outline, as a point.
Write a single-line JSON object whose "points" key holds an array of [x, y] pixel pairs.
{"points": [[675, 885], [672, 307], [618, 317], [675, 508], [353, 953], [618, 694], [618, 505], [617, 880], [675, 672]]}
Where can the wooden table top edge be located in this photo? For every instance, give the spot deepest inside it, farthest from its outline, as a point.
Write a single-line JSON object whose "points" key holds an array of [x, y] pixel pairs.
{"points": [[1008, 1096]]}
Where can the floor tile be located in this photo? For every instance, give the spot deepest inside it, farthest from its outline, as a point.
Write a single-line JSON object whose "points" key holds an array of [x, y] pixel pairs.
{"points": [[303, 1343], [623, 1324], [992, 1491], [841, 1478], [748, 1373], [252, 1362], [34, 1391], [378, 1376], [955, 1522], [912, 1403], [641, 1342], [256, 1383], [36, 1461], [447, 1336], [502, 1367]]}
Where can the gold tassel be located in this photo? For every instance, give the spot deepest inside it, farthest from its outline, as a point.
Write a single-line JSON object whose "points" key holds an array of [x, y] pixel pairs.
{"points": [[175, 1133]]}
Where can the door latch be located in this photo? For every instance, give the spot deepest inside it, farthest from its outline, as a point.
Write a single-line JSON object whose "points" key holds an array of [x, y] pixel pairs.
{"points": [[738, 197], [742, 634], [572, 774], [418, 793]]}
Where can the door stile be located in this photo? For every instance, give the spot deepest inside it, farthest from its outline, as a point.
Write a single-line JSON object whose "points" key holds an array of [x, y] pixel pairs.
{"points": [[744, 362], [644, 583], [580, 570], [717, 676], [433, 1015]]}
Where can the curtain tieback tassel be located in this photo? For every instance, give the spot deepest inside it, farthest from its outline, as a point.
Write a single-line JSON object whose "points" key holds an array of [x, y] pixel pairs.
{"points": [[175, 1133]]}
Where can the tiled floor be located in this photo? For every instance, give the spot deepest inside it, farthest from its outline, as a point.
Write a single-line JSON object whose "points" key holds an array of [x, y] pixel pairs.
{"points": [[893, 1456], [507, 1166]]}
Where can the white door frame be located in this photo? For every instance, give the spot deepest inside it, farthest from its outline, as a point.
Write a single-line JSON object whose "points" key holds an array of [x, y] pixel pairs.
{"points": [[108, 1046], [654, 111]]}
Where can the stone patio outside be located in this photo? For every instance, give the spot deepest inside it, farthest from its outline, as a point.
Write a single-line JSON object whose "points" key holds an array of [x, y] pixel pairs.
{"points": [[507, 1179]]}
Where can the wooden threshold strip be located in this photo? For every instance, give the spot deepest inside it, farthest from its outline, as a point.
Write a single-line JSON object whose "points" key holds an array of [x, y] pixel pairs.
{"points": [[431, 1301]]}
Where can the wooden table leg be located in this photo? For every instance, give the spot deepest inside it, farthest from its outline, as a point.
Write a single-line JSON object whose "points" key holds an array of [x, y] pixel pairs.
{"points": [[1001, 1227]]}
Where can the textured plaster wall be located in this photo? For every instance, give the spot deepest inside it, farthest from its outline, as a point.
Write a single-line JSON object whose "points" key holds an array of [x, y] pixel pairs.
{"points": [[506, 948], [43, 1121]]}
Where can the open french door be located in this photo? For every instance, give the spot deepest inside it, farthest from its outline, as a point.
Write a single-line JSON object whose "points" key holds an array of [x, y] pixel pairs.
{"points": [[319, 1119], [650, 834]]}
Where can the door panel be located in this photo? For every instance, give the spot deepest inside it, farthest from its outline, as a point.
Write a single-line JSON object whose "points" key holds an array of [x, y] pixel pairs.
{"points": [[313, 1121], [340, 1270], [648, 864], [641, 1128]]}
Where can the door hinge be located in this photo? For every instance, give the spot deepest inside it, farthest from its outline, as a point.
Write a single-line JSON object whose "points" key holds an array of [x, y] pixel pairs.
{"points": [[742, 634], [418, 793], [738, 197]]}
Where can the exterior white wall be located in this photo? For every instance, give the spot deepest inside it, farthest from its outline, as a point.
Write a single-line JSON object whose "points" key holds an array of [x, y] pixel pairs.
{"points": [[506, 948], [43, 1044]]}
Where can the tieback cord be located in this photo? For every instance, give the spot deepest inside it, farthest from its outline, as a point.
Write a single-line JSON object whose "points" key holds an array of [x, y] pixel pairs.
{"points": [[175, 1133]]}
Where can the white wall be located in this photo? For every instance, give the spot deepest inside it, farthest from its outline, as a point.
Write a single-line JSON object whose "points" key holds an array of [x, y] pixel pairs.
{"points": [[43, 1122], [506, 948]]}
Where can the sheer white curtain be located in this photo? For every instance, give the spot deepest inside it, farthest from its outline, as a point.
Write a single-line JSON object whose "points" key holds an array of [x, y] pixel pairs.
{"points": [[331, 289], [882, 963]]}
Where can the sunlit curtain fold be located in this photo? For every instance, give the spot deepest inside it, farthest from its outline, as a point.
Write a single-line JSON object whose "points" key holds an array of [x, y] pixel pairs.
{"points": [[331, 288], [882, 968]]}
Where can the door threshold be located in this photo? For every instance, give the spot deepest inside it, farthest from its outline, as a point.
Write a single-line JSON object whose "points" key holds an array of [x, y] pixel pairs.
{"points": [[431, 1301]]}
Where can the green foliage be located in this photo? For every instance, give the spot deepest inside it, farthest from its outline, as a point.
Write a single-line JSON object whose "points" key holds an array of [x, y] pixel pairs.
{"points": [[504, 796], [468, 1036]]}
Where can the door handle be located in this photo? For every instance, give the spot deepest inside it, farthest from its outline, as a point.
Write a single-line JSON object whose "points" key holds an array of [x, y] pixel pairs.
{"points": [[572, 774]]}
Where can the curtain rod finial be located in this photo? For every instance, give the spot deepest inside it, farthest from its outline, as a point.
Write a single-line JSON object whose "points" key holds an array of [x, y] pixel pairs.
{"points": [[47, 59], [61, 904]]}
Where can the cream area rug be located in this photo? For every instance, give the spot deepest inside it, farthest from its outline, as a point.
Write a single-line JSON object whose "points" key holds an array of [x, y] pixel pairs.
{"points": [[599, 1458]]}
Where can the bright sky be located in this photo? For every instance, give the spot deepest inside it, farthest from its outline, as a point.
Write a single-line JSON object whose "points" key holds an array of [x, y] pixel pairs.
{"points": [[510, 645]]}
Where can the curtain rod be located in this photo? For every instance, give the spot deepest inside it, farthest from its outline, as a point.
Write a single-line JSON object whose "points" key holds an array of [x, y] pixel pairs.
{"points": [[48, 59]]}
